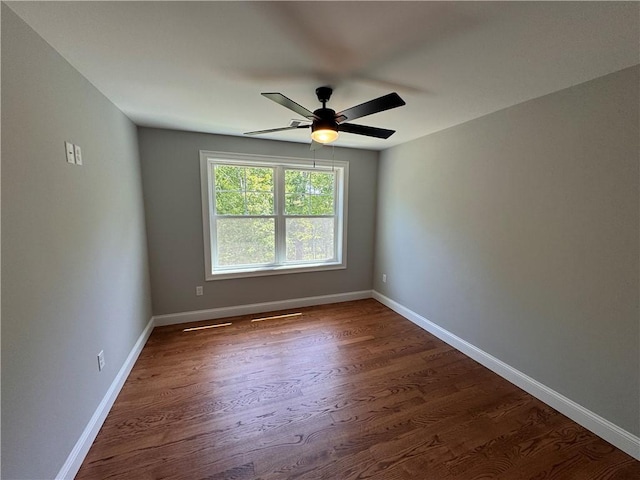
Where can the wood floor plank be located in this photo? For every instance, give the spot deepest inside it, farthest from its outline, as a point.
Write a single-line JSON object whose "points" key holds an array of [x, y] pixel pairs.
{"points": [[342, 392]]}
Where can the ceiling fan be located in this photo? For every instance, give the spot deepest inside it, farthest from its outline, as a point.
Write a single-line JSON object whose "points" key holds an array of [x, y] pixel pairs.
{"points": [[326, 123]]}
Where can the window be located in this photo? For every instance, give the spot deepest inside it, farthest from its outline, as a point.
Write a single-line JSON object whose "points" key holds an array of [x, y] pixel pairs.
{"points": [[264, 215]]}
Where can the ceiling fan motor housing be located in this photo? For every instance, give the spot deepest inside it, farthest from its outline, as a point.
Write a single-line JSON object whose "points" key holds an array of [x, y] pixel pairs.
{"points": [[326, 120]]}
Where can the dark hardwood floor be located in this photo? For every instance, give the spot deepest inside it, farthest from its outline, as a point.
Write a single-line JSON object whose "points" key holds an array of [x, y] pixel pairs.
{"points": [[344, 391]]}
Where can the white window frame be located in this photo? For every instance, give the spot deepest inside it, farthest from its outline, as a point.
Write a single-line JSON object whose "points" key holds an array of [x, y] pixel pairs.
{"points": [[341, 168]]}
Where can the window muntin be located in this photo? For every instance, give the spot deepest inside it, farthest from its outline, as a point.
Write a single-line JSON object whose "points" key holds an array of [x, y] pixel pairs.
{"points": [[265, 215]]}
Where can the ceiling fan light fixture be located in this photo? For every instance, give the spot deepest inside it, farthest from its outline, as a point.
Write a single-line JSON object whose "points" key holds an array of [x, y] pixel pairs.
{"points": [[324, 135], [324, 129]]}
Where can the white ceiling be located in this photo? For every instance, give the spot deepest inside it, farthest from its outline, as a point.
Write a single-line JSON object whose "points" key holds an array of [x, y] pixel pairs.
{"points": [[201, 65]]}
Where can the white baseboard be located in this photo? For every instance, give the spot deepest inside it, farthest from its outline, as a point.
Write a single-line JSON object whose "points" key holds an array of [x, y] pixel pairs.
{"points": [[620, 438], [82, 446], [213, 313]]}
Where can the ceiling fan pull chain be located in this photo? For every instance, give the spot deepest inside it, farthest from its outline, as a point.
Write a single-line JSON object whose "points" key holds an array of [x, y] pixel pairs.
{"points": [[333, 157]]}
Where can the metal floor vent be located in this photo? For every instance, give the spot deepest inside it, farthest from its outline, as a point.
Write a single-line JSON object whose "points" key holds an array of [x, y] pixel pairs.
{"points": [[204, 327], [286, 315]]}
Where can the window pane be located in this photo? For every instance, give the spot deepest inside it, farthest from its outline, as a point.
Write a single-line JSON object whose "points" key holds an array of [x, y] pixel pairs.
{"points": [[321, 183], [228, 177], [229, 203], [245, 241], [244, 190], [309, 239], [296, 204], [309, 192], [259, 179], [295, 181], [259, 204], [321, 205]]}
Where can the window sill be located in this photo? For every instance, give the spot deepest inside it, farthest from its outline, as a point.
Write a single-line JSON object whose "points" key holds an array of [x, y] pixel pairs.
{"points": [[279, 270]]}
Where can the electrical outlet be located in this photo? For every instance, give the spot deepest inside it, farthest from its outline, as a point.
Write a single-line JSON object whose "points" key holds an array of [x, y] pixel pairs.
{"points": [[199, 291], [78, 155], [70, 151], [101, 360], [384, 278]]}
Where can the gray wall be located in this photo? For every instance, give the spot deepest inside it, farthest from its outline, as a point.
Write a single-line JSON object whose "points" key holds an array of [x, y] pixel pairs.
{"points": [[171, 179], [74, 262], [518, 232]]}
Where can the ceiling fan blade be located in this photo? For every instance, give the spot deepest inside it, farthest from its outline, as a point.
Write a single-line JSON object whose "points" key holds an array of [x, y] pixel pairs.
{"points": [[295, 123], [290, 104], [364, 130], [258, 132], [380, 104]]}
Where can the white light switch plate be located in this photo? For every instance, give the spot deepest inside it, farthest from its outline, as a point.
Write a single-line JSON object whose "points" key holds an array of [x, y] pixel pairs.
{"points": [[78, 155], [71, 156], [101, 360]]}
